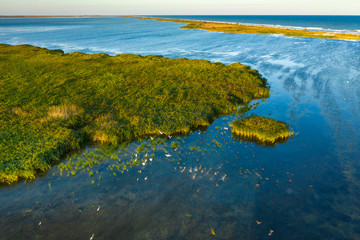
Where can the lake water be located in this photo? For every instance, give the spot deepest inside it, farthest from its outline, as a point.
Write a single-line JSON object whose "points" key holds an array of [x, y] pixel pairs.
{"points": [[306, 188]]}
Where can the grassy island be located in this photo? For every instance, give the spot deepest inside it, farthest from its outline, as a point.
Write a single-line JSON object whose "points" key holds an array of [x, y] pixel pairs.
{"points": [[262, 129], [52, 103], [251, 29]]}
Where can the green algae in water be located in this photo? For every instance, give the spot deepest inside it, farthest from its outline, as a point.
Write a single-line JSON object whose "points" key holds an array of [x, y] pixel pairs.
{"points": [[175, 145]]}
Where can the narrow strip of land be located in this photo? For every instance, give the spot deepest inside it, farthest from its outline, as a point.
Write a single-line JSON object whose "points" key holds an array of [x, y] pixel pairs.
{"points": [[252, 29]]}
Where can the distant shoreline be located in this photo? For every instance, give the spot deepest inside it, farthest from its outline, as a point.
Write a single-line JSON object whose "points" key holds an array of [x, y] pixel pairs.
{"points": [[58, 16], [227, 27]]}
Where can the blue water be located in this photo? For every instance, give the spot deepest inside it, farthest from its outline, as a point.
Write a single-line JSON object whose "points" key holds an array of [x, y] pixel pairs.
{"points": [[307, 188]]}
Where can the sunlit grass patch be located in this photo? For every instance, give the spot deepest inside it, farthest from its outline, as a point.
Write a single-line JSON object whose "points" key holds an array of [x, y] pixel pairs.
{"points": [[64, 111], [264, 129]]}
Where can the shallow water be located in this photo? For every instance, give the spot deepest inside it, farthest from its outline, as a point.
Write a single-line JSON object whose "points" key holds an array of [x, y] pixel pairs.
{"points": [[307, 188]]}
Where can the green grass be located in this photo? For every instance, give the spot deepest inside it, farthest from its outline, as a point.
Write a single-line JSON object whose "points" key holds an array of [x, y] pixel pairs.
{"points": [[250, 29], [265, 130], [52, 103]]}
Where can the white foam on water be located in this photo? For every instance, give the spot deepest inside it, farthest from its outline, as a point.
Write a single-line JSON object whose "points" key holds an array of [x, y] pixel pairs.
{"points": [[33, 29], [286, 62]]}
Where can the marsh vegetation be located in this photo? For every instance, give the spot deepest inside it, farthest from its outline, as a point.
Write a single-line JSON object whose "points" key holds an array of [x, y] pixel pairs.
{"points": [[53, 102]]}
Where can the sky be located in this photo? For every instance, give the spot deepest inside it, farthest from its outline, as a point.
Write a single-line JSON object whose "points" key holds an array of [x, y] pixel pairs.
{"points": [[180, 7]]}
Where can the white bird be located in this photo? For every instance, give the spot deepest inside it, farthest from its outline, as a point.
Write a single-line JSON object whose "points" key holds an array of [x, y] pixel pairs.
{"points": [[145, 178], [143, 163], [169, 136], [98, 209], [92, 236], [151, 138], [135, 155], [223, 178], [161, 132], [225, 128], [137, 179], [183, 169], [168, 155], [150, 159], [175, 149], [39, 223]]}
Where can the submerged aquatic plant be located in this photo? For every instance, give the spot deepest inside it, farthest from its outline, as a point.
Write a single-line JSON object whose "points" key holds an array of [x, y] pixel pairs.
{"points": [[263, 129]]}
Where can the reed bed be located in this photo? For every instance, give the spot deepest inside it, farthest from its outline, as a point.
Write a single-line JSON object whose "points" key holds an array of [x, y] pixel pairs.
{"points": [[53, 103]]}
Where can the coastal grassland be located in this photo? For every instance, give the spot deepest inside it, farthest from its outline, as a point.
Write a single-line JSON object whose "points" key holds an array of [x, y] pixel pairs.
{"points": [[265, 130], [52, 103], [251, 29]]}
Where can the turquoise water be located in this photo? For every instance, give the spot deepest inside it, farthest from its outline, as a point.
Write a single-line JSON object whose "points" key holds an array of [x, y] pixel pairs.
{"points": [[307, 188]]}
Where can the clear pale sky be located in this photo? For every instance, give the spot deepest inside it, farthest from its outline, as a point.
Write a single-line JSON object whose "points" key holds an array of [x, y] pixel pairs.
{"points": [[182, 7]]}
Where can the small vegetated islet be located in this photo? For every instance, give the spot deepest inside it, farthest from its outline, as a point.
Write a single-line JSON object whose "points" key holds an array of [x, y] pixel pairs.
{"points": [[263, 129], [53, 102]]}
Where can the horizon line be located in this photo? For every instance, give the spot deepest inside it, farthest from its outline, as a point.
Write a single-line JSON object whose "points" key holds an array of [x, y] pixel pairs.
{"points": [[121, 15]]}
